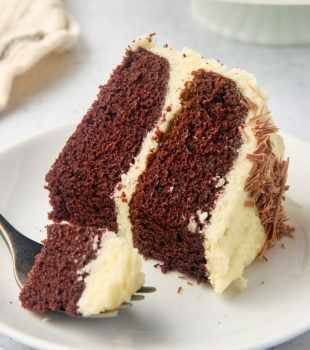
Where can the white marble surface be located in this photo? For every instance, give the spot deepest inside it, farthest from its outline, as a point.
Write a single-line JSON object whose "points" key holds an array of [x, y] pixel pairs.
{"points": [[59, 89]]}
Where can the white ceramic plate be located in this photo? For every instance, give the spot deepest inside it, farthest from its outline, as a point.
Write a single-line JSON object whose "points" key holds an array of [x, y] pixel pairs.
{"points": [[274, 308]]}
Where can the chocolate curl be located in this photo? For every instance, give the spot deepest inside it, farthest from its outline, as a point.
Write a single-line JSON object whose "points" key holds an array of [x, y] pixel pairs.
{"points": [[266, 183], [249, 104], [283, 177]]}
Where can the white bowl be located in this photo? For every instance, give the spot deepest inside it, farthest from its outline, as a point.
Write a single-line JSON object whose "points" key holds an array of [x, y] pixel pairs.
{"points": [[266, 22]]}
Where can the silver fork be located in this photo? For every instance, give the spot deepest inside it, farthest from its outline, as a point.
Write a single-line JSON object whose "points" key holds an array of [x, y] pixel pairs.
{"points": [[23, 251]]}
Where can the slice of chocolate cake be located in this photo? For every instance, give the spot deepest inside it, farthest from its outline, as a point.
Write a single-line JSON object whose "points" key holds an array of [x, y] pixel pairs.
{"points": [[83, 179], [82, 271], [180, 156]]}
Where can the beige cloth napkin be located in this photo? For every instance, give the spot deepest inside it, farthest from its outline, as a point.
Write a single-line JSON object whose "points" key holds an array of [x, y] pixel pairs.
{"points": [[29, 30]]}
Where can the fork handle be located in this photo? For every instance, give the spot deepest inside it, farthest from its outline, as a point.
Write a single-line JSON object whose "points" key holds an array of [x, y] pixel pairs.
{"points": [[7, 233], [23, 250]]}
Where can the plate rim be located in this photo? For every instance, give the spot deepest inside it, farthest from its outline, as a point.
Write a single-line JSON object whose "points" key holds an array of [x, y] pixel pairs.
{"points": [[37, 134], [35, 342]]}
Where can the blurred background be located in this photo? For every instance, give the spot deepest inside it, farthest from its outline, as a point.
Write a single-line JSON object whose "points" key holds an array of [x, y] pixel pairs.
{"points": [[267, 38], [60, 88]]}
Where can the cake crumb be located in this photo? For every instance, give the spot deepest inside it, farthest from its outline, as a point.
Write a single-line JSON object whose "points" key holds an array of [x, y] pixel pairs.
{"points": [[180, 290], [262, 282], [184, 55], [189, 283], [181, 277], [159, 135], [11, 302], [150, 37], [157, 265], [123, 197], [166, 46], [282, 246], [219, 323], [168, 109]]}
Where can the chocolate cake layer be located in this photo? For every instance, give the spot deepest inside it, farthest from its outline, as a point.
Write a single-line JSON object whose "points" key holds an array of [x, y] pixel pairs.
{"points": [[83, 178], [54, 283], [178, 190]]}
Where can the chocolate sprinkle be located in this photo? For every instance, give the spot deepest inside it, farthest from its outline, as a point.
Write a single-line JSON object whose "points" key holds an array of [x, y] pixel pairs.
{"points": [[267, 182]]}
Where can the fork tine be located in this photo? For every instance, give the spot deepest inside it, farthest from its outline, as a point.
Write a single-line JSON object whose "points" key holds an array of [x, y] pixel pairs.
{"points": [[136, 297], [22, 249], [122, 306], [114, 313], [111, 313], [105, 314], [146, 290]]}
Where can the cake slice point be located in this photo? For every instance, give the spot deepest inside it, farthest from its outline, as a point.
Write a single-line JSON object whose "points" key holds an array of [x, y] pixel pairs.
{"points": [[82, 271]]}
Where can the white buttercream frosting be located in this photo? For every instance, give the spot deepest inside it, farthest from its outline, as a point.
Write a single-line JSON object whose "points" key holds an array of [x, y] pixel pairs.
{"points": [[113, 276]]}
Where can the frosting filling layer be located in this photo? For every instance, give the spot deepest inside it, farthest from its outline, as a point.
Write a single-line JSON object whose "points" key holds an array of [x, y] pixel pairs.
{"points": [[112, 277]]}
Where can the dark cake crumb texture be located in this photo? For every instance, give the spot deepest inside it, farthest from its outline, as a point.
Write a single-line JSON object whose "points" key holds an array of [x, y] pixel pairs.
{"points": [[54, 283], [83, 178]]}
